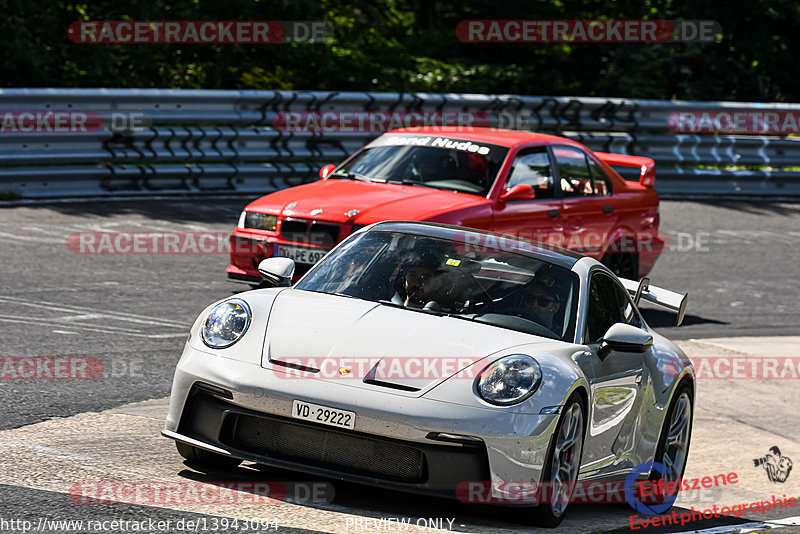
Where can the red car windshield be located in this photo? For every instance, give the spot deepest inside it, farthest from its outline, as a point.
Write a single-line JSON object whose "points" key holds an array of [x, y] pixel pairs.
{"points": [[429, 161]]}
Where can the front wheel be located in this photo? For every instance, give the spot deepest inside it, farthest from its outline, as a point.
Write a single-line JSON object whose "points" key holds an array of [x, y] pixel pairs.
{"points": [[561, 468], [563, 464]]}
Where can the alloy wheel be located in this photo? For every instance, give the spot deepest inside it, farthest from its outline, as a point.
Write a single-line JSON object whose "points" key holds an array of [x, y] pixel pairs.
{"points": [[566, 459]]}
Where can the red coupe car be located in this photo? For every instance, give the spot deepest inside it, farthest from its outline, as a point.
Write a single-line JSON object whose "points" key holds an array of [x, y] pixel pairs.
{"points": [[531, 185]]}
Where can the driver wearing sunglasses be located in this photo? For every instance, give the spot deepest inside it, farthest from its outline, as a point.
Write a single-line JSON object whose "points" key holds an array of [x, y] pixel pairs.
{"points": [[542, 304]]}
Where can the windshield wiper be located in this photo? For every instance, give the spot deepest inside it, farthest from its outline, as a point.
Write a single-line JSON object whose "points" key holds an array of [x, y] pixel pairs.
{"points": [[404, 307], [352, 176], [418, 183]]}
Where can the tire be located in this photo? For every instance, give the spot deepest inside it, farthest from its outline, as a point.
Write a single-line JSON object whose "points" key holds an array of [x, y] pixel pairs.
{"points": [[673, 442], [552, 509], [206, 459], [622, 264]]}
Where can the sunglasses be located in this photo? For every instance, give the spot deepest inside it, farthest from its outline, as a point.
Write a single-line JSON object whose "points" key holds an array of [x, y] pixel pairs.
{"points": [[541, 301]]}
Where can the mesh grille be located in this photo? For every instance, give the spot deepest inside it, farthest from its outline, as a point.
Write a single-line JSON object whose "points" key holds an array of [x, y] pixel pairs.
{"points": [[294, 230], [329, 448], [323, 234]]}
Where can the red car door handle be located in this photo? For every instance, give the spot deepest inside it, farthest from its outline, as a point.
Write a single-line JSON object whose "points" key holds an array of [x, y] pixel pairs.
{"points": [[608, 209], [554, 213]]}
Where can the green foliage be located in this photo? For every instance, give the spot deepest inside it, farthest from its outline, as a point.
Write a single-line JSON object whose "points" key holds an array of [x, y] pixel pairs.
{"points": [[394, 45]]}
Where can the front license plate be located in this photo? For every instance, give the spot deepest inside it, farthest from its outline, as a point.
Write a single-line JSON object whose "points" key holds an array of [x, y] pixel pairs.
{"points": [[300, 254], [323, 414]]}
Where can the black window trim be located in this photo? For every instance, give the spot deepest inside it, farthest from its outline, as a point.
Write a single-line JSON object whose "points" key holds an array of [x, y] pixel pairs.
{"points": [[585, 330], [555, 165], [600, 168]]}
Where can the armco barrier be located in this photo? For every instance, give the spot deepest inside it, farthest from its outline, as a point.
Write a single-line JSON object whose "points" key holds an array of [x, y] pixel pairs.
{"points": [[195, 141]]}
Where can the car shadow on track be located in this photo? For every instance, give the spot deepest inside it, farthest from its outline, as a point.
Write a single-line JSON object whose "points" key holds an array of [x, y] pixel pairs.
{"points": [[368, 503], [665, 319]]}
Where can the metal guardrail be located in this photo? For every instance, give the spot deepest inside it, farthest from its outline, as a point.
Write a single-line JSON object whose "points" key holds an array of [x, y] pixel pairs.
{"points": [[226, 141]]}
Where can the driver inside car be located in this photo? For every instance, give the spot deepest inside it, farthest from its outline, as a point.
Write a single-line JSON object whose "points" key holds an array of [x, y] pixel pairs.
{"points": [[542, 305], [433, 164], [416, 281], [538, 301]]}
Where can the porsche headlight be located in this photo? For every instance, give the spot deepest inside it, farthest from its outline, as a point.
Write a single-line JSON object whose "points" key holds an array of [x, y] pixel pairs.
{"points": [[509, 380], [226, 323]]}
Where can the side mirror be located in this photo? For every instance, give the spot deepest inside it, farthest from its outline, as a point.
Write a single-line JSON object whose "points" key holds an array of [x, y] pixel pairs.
{"points": [[624, 338], [519, 192], [277, 272], [325, 171]]}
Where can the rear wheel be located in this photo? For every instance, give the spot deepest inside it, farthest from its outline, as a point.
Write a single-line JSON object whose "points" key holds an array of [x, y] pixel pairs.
{"points": [[203, 458], [623, 264], [673, 444]]}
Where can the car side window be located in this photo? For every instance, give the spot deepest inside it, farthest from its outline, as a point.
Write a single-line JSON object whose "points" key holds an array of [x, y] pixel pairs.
{"points": [[602, 183], [533, 168], [608, 304], [576, 181]]}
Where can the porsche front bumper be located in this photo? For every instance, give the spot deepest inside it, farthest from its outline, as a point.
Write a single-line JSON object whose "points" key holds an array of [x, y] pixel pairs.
{"points": [[416, 444]]}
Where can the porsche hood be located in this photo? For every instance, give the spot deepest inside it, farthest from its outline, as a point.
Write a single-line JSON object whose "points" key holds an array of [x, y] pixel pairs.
{"points": [[317, 336]]}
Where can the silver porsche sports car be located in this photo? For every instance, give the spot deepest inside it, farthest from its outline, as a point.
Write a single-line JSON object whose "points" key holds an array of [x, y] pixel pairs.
{"points": [[423, 357]]}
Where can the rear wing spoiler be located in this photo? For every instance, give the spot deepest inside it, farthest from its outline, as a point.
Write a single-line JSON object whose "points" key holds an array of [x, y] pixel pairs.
{"points": [[663, 298], [647, 167]]}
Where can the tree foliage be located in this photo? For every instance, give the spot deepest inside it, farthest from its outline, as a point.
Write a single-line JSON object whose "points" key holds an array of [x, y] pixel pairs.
{"points": [[394, 45]]}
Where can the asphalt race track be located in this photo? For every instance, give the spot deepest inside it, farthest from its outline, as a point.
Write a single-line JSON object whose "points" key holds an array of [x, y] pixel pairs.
{"points": [[129, 313]]}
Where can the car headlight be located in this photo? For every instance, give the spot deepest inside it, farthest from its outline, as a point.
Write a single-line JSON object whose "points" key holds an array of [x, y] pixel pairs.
{"points": [[258, 221], [510, 380], [226, 323]]}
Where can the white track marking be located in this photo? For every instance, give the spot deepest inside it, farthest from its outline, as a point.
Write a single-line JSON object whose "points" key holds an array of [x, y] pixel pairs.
{"points": [[119, 316], [83, 317], [104, 330], [35, 239]]}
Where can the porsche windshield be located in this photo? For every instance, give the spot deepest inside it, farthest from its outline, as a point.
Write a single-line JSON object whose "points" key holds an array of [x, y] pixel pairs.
{"points": [[461, 279], [428, 161]]}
